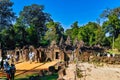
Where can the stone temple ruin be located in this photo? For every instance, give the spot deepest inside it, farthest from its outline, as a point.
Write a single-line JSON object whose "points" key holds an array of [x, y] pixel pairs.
{"points": [[57, 53], [64, 51]]}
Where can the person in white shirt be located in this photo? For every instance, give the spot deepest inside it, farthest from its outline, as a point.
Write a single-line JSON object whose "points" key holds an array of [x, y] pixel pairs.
{"points": [[31, 56], [1, 63], [8, 56], [0, 59]]}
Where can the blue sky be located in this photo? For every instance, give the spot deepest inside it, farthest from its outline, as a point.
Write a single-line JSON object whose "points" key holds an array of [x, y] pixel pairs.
{"points": [[68, 11]]}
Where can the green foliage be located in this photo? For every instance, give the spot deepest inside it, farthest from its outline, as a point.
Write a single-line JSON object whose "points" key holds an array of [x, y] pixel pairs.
{"points": [[91, 33], [55, 31], [112, 23], [117, 43], [106, 41], [35, 27], [31, 37], [20, 32], [74, 31], [7, 38], [50, 77], [34, 15], [7, 16]]}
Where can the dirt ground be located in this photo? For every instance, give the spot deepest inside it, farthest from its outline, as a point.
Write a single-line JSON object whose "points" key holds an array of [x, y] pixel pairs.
{"points": [[93, 72], [89, 71], [25, 68]]}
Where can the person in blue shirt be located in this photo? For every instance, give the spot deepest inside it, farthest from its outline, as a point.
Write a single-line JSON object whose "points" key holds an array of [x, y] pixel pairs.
{"points": [[7, 69]]}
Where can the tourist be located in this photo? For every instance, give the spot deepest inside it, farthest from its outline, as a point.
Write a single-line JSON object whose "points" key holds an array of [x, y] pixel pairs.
{"points": [[12, 71], [1, 63], [8, 56], [16, 58], [8, 71], [5, 64], [31, 56]]}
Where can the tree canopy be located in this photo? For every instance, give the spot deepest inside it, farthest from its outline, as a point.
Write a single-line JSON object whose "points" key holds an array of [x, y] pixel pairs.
{"points": [[34, 26], [34, 15], [7, 16]]}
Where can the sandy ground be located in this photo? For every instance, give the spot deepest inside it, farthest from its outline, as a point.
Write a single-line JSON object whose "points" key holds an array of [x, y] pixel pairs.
{"points": [[92, 72], [25, 68]]}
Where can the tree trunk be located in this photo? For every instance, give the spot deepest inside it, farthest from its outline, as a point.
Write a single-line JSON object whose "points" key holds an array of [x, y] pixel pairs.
{"points": [[113, 43]]}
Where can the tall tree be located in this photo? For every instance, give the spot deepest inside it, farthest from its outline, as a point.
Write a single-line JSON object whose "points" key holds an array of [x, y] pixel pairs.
{"points": [[20, 31], [89, 33], [73, 32], [34, 15], [31, 37], [55, 31], [112, 23], [7, 16], [75, 25]]}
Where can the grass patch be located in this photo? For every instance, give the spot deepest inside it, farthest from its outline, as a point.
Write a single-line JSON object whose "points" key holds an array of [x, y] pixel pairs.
{"points": [[46, 77], [50, 77], [22, 79]]}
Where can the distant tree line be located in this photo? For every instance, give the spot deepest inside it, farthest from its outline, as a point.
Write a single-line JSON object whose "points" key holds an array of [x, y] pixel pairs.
{"points": [[35, 27]]}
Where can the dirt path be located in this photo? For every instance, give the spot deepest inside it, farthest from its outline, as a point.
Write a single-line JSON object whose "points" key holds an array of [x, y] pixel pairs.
{"points": [[25, 68], [111, 72], [91, 72]]}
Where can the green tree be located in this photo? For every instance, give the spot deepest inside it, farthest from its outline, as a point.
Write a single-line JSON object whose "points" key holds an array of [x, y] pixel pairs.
{"points": [[75, 29], [73, 32], [7, 38], [112, 25], [7, 16], [35, 16], [31, 37], [90, 33], [20, 31], [55, 31]]}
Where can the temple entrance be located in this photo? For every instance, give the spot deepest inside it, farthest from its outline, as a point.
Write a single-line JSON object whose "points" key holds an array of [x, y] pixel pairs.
{"points": [[43, 56], [57, 55], [18, 54]]}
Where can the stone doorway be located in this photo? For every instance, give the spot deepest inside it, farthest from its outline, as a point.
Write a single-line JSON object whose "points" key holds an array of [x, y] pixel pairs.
{"points": [[17, 55], [57, 55]]}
